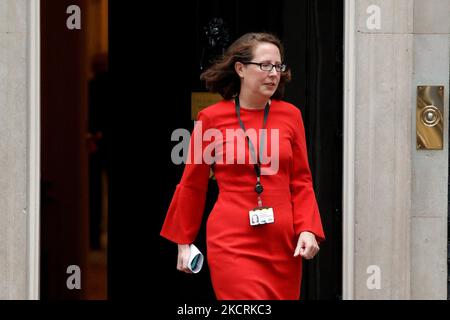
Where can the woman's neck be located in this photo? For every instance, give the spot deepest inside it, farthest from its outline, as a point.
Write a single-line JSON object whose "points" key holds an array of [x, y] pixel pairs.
{"points": [[252, 103]]}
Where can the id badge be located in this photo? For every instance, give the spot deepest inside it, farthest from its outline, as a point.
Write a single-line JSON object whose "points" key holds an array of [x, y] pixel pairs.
{"points": [[260, 216]]}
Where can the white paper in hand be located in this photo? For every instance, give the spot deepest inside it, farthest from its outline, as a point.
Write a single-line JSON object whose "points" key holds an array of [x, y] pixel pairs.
{"points": [[196, 258]]}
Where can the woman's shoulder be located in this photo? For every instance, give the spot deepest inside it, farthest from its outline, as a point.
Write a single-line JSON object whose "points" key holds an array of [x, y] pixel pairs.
{"points": [[217, 109], [286, 107]]}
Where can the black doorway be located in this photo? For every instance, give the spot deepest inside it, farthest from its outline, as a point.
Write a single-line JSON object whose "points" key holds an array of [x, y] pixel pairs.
{"points": [[312, 32]]}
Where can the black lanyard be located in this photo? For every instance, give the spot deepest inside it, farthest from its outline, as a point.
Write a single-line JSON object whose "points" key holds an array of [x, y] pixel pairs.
{"points": [[258, 188]]}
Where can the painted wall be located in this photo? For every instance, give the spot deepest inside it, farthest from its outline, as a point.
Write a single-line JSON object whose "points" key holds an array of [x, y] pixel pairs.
{"points": [[400, 209], [14, 38]]}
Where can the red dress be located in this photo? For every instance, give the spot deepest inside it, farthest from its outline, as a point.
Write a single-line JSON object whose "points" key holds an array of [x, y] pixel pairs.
{"points": [[248, 262]]}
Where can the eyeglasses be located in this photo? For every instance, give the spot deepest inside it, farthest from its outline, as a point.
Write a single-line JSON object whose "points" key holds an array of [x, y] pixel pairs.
{"points": [[265, 66]]}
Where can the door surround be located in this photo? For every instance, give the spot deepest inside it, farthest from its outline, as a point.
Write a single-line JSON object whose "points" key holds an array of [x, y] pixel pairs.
{"points": [[34, 150], [348, 188], [34, 153]]}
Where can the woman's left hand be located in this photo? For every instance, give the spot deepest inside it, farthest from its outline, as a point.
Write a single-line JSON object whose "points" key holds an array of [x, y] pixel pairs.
{"points": [[307, 246]]}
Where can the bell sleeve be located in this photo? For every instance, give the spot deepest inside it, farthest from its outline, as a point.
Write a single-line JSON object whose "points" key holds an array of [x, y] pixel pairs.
{"points": [[305, 208], [184, 216]]}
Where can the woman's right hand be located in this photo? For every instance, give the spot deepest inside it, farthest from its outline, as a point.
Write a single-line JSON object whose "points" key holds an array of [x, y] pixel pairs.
{"points": [[184, 252]]}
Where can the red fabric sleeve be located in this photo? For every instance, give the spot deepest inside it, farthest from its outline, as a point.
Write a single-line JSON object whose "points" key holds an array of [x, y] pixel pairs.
{"points": [[306, 212], [184, 216]]}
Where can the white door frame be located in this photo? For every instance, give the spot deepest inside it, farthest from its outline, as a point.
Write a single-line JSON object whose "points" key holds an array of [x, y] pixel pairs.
{"points": [[348, 199], [34, 152]]}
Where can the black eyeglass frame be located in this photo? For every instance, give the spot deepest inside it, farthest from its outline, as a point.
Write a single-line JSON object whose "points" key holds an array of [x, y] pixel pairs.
{"points": [[278, 67]]}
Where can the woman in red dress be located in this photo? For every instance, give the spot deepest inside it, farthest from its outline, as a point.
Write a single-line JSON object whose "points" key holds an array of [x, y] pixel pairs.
{"points": [[260, 162]]}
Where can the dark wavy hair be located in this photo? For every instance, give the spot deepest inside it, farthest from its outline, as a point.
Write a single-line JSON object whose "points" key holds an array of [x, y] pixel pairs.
{"points": [[222, 78]]}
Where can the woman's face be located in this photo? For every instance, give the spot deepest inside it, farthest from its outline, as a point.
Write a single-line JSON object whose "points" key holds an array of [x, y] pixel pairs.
{"points": [[255, 81]]}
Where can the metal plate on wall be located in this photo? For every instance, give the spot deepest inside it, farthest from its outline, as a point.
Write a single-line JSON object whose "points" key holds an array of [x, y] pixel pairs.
{"points": [[430, 118]]}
